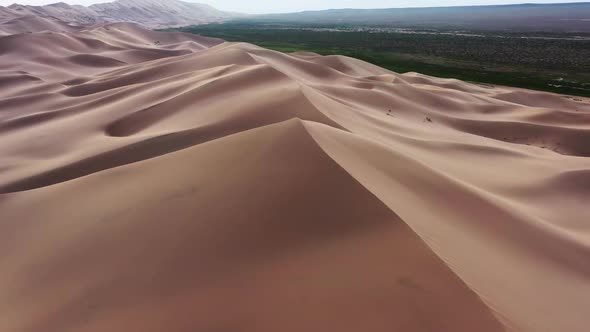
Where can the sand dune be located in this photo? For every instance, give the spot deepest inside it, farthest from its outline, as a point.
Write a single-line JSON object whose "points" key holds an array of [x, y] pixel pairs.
{"points": [[149, 13], [161, 181], [16, 24]]}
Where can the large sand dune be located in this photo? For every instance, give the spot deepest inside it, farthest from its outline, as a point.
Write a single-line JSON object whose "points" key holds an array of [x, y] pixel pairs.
{"points": [[168, 182], [149, 13]]}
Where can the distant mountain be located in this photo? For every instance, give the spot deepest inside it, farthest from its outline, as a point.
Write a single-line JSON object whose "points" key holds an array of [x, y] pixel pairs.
{"points": [[570, 17], [150, 13], [62, 11], [159, 13], [566, 17]]}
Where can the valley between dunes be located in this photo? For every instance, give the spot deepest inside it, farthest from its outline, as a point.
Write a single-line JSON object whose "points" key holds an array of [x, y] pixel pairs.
{"points": [[155, 181]]}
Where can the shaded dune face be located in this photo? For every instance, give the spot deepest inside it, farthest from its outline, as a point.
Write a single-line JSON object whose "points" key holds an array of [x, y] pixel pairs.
{"points": [[163, 181]]}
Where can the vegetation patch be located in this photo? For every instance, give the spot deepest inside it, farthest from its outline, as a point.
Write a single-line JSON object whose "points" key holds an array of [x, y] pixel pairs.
{"points": [[556, 62]]}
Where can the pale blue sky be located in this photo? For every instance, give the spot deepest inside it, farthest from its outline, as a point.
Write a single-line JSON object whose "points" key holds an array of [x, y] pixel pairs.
{"points": [[278, 6]]}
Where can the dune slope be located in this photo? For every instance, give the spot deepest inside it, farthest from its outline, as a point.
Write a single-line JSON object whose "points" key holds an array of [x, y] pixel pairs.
{"points": [[163, 181]]}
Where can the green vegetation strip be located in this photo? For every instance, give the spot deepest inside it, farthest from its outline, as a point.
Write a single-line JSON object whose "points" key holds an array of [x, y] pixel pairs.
{"points": [[555, 65]]}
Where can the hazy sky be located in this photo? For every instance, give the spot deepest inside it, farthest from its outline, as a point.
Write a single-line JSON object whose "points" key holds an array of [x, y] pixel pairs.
{"points": [[278, 6]]}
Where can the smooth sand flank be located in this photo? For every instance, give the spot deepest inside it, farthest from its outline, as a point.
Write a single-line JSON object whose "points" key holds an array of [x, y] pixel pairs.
{"points": [[169, 182]]}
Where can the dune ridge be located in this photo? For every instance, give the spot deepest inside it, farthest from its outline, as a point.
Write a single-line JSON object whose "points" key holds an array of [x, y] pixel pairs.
{"points": [[164, 181]]}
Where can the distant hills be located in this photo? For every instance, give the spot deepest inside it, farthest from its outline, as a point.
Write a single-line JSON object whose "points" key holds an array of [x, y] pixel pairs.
{"points": [[565, 17], [150, 13]]}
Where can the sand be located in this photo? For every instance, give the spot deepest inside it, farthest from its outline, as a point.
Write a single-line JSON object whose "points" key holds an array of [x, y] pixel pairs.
{"points": [[156, 181]]}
